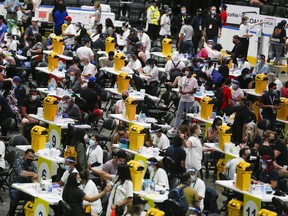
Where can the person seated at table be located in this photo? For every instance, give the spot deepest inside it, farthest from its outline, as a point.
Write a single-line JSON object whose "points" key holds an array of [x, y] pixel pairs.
{"points": [[69, 166], [158, 139], [268, 174], [98, 38], [74, 81], [19, 90], [203, 53], [120, 104], [238, 49], [208, 68], [151, 71], [5, 113], [212, 132], [48, 42], [215, 51], [88, 68], [144, 39], [243, 63], [94, 153], [74, 196], [237, 92], [230, 168], [206, 81], [75, 66], [11, 43], [227, 105], [177, 153], [174, 65], [157, 174], [126, 30], [253, 138], [141, 54], [284, 90], [23, 171], [71, 110], [122, 133], [90, 189], [30, 106], [134, 62], [273, 78], [261, 67], [112, 165], [85, 50], [70, 32], [245, 80], [107, 61]]}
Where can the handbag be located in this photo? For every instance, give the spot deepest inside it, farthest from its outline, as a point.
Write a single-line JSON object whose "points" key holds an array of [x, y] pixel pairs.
{"points": [[24, 18]]}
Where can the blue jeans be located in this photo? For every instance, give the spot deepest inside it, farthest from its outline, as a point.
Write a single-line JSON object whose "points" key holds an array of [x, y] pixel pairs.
{"points": [[276, 50], [181, 107], [15, 196], [187, 47]]}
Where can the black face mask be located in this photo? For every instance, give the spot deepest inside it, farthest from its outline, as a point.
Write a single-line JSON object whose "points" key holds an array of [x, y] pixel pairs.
{"points": [[121, 134], [29, 161], [272, 141], [124, 97], [248, 157]]}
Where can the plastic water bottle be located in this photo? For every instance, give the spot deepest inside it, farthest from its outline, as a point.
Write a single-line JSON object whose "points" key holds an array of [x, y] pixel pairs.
{"points": [[224, 118], [130, 89], [47, 145], [115, 86], [202, 89], [195, 110], [174, 49], [49, 87]]}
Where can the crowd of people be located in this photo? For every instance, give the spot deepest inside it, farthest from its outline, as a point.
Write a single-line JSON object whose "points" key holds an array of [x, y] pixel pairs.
{"points": [[204, 69]]}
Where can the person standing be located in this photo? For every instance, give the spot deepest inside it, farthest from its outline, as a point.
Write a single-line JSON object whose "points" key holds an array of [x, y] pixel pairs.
{"points": [[11, 6], [165, 25], [153, 18], [70, 32], [187, 87], [197, 24], [185, 37], [213, 26], [223, 14], [270, 104], [3, 30], [97, 14], [59, 13]]}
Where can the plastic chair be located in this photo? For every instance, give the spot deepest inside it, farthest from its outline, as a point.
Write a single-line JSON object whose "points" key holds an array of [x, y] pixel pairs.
{"points": [[280, 206], [105, 97], [84, 117], [267, 9], [169, 166], [173, 183], [110, 125], [18, 140], [138, 82], [64, 209]]}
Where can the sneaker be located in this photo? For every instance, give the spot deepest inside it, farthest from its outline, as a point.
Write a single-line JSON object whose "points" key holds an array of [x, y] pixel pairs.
{"points": [[172, 131]]}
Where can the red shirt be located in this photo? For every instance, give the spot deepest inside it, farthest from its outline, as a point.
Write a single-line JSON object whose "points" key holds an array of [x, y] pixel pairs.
{"points": [[227, 94], [284, 92], [224, 18]]}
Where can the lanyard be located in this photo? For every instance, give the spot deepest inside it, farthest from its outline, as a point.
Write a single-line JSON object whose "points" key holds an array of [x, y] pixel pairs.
{"points": [[272, 101], [194, 183]]}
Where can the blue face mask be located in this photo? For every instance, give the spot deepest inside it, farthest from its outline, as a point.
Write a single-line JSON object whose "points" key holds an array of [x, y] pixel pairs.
{"points": [[91, 142], [186, 73], [274, 91], [259, 61], [82, 64], [238, 103], [72, 78], [66, 167], [247, 75]]}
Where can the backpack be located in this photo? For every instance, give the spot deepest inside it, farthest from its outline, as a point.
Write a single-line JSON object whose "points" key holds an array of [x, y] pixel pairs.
{"points": [[174, 72], [216, 77], [177, 194], [71, 151]]}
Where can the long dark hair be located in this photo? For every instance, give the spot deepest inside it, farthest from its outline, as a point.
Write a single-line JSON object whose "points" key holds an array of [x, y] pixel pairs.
{"points": [[123, 173], [215, 122], [70, 185]]}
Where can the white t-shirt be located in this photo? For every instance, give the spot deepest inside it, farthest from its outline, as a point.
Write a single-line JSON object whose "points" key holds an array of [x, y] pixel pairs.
{"points": [[90, 189], [187, 85], [162, 143], [200, 187], [194, 153], [66, 174], [135, 65], [243, 29], [123, 191], [84, 51], [125, 34], [153, 74], [232, 166], [70, 30], [237, 93], [145, 40], [2, 153], [89, 69], [12, 45], [121, 105], [165, 24], [212, 53], [169, 65], [245, 65], [160, 178], [95, 154]]}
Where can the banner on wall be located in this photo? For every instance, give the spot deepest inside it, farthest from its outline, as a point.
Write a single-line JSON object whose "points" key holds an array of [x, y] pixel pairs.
{"points": [[235, 13]]}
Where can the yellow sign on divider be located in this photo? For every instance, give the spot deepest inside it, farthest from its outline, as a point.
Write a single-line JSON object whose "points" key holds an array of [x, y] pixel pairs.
{"points": [[143, 161], [54, 136], [44, 168], [41, 207], [251, 205]]}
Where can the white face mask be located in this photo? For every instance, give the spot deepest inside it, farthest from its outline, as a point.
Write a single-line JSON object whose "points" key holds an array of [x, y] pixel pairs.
{"points": [[91, 142], [193, 178], [186, 73], [150, 168], [33, 97], [264, 166]]}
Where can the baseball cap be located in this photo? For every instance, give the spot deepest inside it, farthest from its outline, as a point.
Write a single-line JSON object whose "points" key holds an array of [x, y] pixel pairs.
{"points": [[34, 19], [16, 79], [92, 79], [68, 18], [192, 170]]}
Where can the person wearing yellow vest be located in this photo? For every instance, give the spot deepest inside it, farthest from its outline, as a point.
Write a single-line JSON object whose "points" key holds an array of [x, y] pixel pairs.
{"points": [[153, 18]]}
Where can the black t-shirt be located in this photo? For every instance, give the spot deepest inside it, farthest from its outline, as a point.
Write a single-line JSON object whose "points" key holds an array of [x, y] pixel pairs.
{"points": [[91, 98], [278, 35], [31, 106], [243, 82], [267, 177], [257, 140], [178, 155], [282, 159], [212, 25], [266, 150], [269, 99], [6, 111], [241, 118], [74, 198]]}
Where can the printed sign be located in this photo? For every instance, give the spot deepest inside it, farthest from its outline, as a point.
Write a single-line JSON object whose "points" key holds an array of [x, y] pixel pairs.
{"points": [[251, 205], [41, 207], [44, 168], [54, 136], [236, 12]]}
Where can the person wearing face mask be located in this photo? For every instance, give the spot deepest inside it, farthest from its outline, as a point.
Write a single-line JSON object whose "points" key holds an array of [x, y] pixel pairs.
{"points": [[112, 165], [245, 80], [94, 153], [71, 110], [69, 166], [206, 81], [174, 66], [126, 30], [134, 62], [187, 87], [120, 104], [89, 69], [203, 53], [158, 139], [151, 72], [157, 174], [213, 26], [153, 18], [178, 21], [137, 207], [85, 51], [198, 185], [273, 78], [186, 35], [253, 138], [269, 103], [144, 39], [238, 49], [165, 24], [230, 168], [11, 43], [212, 132], [74, 196], [32, 29], [122, 133], [280, 150], [70, 32], [237, 93], [19, 90], [261, 67], [268, 174], [73, 82], [30, 106], [197, 24], [23, 171], [223, 14]]}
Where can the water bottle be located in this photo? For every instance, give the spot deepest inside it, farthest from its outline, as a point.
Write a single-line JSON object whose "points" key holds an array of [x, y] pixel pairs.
{"points": [[115, 86], [202, 89], [130, 89], [47, 145], [195, 110], [174, 49], [225, 118], [49, 87]]}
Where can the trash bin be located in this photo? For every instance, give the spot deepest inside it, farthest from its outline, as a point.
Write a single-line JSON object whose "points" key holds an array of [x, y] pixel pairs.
{"points": [[136, 136], [282, 113], [206, 107], [154, 212], [39, 136], [53, 59], [220, 165], [58, 43], [123, 81], [110, 44], [256, 110], [166, 46], [119, 61], [260, 83], [243, 176], [265, 212], [169, 56], [130, 105], [29, 208], [63, 28], [50, 108], [235, 207], [224, 136], [136, 171]]}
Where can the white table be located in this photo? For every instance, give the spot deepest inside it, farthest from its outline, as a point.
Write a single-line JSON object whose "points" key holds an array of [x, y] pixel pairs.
{"points": [[61, 92], [63, 123], [143, 124], [182, 57], [283, 121], [129, 71], [58, 74], [251, 92], [234, 73], [67, 58], [192, 115], [31, 189], [156, 197], [212, 145], [21, 57]]}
